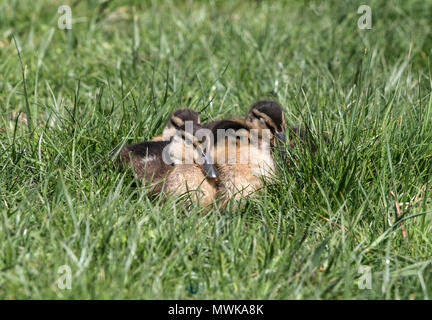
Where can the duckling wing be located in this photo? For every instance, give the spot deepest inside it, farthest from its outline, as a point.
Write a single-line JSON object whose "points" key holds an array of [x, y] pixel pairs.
{"points": [[146, 159]]}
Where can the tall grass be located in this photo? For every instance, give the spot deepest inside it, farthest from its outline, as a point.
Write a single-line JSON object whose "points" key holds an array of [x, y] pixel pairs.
{"points": [[125, 65]]}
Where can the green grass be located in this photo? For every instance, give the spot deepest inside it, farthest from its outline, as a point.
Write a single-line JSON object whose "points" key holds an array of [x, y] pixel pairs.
{"points": [[115, 77]]}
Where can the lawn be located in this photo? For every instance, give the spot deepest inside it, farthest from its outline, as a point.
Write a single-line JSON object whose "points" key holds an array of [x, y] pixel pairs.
{"points": [[350, 221]]}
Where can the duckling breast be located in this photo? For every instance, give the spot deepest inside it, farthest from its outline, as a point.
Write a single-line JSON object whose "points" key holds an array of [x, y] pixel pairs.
{"points": [[190, 179]]}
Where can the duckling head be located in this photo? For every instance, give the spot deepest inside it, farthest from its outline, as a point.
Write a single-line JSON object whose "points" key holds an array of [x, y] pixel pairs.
{"points": [[177, 119], [191, 144], [267, 114]]}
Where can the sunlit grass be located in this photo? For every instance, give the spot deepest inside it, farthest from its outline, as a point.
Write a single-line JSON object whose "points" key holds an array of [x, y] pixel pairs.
{"points": [[116, 76]]}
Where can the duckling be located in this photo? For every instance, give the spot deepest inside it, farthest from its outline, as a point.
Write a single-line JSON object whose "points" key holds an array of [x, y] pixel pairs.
{"points": [[243, 158], [193, 171], [175, 167], [176, 120], [267, 115], [232, 153]]}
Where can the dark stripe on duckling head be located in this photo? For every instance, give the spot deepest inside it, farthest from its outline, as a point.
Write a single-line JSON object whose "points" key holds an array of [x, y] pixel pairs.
{"points": [[271, 111], [190, 136], [180, 116]]}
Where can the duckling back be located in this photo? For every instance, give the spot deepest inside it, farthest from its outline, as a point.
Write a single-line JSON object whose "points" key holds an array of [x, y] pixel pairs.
{"points": [[146, 160]]}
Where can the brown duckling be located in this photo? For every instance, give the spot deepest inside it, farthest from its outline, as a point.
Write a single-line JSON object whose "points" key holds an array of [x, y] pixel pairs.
{"points": [[240, 158], [268, 114], [243, 150], [193, 171], [175, 167]]}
